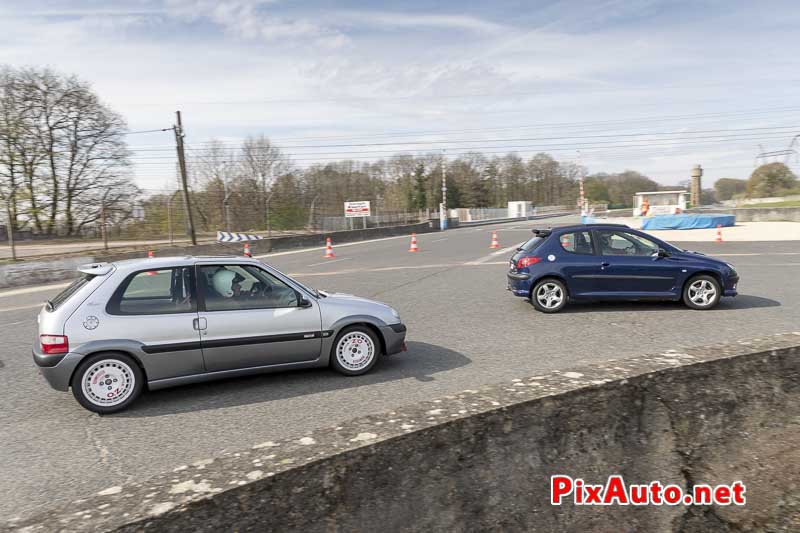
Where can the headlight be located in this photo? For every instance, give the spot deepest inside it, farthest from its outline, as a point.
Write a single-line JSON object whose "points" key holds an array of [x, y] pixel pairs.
{"points": [[395, 313]]}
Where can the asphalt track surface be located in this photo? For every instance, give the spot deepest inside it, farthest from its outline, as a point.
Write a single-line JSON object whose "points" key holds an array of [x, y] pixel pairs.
{"points": [[465, 330]]}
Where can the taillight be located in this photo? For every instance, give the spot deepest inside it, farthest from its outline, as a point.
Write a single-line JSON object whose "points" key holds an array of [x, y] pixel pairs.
{"points": [[527, 261], [54, 344]]}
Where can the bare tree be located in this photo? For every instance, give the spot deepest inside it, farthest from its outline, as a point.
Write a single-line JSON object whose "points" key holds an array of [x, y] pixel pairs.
{"points": [[58, 146], [262, 160]]}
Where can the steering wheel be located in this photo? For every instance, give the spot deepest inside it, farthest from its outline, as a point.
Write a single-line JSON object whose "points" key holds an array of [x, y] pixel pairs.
{"points": [[260, 289]]}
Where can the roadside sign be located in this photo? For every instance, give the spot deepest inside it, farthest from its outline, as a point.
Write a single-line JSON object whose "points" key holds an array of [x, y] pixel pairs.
{"points": [[356, 209], [227, 236]]}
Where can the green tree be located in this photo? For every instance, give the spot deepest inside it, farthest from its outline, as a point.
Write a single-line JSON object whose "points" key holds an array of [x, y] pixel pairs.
{"points": [[727, 188], [622, 187], [772, 179], [420, 187], [595, 189]]}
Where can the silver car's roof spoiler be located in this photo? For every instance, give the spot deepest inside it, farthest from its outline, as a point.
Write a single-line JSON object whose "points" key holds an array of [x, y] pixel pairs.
{"points": [[96, 269]]}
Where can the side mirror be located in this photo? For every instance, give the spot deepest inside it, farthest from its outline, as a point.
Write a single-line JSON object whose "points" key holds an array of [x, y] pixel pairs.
{"points": [[303, 302], [661, 253]]}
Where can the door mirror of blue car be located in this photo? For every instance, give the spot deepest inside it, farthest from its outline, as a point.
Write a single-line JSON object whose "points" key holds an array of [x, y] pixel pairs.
{"points": [[661, 253]]}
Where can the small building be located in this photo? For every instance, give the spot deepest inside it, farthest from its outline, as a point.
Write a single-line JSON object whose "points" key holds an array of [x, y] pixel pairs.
{"points": [[659, 203], [520, 209]]}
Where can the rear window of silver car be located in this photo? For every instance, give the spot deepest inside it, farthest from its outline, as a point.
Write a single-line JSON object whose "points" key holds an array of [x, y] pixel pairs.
{"points": [[70, 291]]}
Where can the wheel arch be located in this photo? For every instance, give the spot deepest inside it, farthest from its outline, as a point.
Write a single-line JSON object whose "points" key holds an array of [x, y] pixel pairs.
{"points": [[703, 272], [370, 326], [549, 275], [129, 353], [336, 329]]}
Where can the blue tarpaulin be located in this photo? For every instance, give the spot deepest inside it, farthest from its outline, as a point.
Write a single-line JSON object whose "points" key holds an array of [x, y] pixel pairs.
{"points": [[687, 221]]}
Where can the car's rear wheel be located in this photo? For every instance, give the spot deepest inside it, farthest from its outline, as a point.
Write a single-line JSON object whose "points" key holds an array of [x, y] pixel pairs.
{"points": [[355, 351], [107, 382], [702, 292], [549, 295]]}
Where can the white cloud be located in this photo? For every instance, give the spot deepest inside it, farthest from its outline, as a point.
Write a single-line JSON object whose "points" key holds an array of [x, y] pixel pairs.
{"points": [[389, 19], [251, 19], [239, 67]]}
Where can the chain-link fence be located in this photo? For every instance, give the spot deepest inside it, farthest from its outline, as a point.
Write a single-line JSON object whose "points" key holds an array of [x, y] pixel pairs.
{"points": [[159, 217]]}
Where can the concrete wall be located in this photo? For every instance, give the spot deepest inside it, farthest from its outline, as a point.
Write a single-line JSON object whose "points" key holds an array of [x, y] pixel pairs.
{"points": [[481, 460], [764, 214], [49, 270]]}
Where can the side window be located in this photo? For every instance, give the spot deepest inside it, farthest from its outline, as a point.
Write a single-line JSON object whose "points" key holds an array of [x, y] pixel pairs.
{"points": [[240, 287], [579, 242], [155, 292], [623, 243]]}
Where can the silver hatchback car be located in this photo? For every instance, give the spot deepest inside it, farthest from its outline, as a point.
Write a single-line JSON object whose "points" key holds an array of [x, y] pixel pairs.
{"points": [[160, 322]]}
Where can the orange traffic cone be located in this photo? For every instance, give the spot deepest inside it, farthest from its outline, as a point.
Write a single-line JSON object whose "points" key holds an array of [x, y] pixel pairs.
{"points": [[494, 244], [328, 249], [719, 233], [247, 250], [150, 256], [414, 247]]}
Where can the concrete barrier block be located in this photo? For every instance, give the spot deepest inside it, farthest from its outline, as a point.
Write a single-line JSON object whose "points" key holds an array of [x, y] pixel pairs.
{"points": [[481, 460]]}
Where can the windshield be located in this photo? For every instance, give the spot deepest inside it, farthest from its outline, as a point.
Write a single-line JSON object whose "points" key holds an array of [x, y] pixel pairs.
{"points": [[312, 290]]}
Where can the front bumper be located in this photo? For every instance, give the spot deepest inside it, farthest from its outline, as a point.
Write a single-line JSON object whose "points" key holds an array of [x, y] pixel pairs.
{"points": [[731, 285], [394, 336], [56, 369]]}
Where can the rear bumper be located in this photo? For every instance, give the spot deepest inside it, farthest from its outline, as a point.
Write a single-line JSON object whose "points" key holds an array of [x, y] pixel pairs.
{"points": [[394, 336], [519, 283], [56, 369]]}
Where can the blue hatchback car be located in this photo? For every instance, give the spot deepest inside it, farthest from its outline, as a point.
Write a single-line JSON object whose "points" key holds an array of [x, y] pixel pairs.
{"points": [[614, 262]]}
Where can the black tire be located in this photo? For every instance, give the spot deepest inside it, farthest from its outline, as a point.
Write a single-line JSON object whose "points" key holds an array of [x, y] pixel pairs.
{"points": [[348, 364], [119, 367], [557, 289], [702, 282]]}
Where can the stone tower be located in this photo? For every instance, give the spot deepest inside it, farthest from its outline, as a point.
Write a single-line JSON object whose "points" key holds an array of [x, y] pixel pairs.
{"points": [[697, 185]]}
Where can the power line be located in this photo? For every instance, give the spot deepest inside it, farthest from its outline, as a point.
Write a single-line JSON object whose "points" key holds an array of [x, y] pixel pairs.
{"points": [[146, 131], [511, 139], [754, 136], [505, 150], [647, 119]]}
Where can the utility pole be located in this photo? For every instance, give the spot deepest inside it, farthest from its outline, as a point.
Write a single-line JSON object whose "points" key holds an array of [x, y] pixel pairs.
{"points": [[10, 231], [179, 135], [582, 199], [169, 216], [103, 226], [443, 205]]}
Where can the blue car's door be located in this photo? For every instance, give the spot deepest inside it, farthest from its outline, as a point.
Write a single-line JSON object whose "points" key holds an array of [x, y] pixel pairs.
{"points": [[578, 262], [630, 266]]}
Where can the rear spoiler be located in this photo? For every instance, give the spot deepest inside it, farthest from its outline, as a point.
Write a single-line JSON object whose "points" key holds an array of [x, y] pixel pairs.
{"points": [[96, 269], [540, 232]]}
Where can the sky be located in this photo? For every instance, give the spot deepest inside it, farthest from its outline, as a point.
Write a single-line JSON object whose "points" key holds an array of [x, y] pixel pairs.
{"points": [[655, 86]]}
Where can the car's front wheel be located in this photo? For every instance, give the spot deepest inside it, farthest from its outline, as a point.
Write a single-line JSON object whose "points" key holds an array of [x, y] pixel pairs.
{"points": [[355, 351], [702, 292], [549, 295], [107, 382]]}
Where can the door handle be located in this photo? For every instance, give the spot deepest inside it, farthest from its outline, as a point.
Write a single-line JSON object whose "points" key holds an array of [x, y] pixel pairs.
{"points": [[199, 324], [604, 264]]}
